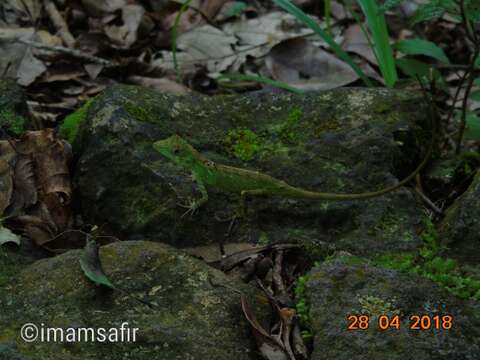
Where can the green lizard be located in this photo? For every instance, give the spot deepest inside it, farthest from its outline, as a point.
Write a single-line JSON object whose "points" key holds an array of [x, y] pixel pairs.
{"points": [[248, 182]]}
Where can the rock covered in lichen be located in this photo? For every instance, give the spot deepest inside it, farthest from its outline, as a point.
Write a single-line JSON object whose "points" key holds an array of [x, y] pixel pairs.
{"points": [[347, 140], [347, 286], [460, 230], [192, 319]]}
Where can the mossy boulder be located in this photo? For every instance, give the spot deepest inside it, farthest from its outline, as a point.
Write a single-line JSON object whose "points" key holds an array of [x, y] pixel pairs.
{"points": [[341, 287], [13, 107], [345, 141], [193, 318], [460, 230]]}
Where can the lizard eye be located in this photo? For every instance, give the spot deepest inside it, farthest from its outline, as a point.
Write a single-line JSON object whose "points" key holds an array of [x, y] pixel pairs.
{"points": [[176, 151]]}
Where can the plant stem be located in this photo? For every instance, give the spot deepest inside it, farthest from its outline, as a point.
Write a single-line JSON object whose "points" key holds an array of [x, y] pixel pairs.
{"points": [[471, 74]]}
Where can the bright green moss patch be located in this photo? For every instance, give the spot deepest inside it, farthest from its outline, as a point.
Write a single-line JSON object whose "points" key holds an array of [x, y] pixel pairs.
{"points": [[444, 272], [302, 307], [242, 143], [71, 125], [287, 131], [13, 122]]}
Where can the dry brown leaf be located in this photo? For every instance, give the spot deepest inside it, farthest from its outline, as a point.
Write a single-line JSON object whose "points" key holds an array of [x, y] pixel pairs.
{"points": [[212, 7], [12, 34], [50, 157], [355, 41], [268, 30], [269, 346], [101, 7], [7, 156], [12, 51], [125, 35], [297, 62], [206, 46], [93, 70], [23, 11], [29, 69], [338, 11], [163, 85], [25, 192]]}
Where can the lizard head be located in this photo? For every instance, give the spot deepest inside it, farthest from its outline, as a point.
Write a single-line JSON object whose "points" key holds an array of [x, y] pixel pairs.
{"points": [[177, 150]]}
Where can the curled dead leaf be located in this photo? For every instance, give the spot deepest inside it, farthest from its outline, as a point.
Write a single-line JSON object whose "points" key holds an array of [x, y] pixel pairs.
{"points": [[299, 63]]}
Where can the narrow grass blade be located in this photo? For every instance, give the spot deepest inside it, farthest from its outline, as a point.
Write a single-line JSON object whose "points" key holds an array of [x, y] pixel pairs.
{"points": [[381, 42], [263, 80], [308, 21]]}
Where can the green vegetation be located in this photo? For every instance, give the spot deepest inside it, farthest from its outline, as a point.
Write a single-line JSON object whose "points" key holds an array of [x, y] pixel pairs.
{"points": [[380, 41], [429, 264], [12, 122], [259, 79], [242, 143], [375, 306], [302, 307], [308, 21], [71, 125], [287, 131]]}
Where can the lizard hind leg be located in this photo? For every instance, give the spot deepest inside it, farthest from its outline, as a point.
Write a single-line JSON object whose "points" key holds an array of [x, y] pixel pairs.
{"points": [[241, 211], [243, 198]]}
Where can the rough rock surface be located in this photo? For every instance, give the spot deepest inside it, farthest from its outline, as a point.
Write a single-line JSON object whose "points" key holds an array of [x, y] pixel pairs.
{"points": [[337, 289], [193, 319], [347, 140], [13, 107], [460, 229]]}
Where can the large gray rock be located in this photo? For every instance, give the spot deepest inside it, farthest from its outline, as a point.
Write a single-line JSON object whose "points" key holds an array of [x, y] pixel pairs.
{"points": [[347, 140], [335, 290], [460, 230], [193, 319]]}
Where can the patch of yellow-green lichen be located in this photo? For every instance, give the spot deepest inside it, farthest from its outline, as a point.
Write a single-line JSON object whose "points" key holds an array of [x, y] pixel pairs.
{"points": [[375, 306], [13, 122], [139, 113], [242, 143], [71, 125]]}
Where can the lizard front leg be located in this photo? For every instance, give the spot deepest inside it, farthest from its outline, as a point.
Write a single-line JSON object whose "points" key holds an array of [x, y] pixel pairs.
{"points": [[193, 205]]}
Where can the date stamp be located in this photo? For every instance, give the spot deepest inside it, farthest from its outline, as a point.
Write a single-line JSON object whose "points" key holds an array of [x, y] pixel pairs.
{"points": [[416, 322]]}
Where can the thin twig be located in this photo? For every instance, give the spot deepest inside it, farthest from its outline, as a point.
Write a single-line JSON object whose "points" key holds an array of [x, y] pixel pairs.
{"points": [[471, 78], [427, 201], [455, 98], [73, 52]]}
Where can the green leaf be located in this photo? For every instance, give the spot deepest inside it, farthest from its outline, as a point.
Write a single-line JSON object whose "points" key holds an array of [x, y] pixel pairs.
{"points": [[308, 21], [477, 62], [389, 4], [381, 41], [472, 10], [7, 236], [413, 68], [472, 130], [91, 265], [427, 12], [422, 47], [236, 9], [475, 95]]}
